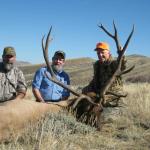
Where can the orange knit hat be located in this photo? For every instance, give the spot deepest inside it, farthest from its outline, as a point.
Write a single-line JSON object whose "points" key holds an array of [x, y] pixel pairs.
{"points": [[102, 45]]}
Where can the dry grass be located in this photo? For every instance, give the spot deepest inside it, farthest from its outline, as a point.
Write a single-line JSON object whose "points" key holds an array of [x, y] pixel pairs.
{"points": [[124, 128], [128, 129]]}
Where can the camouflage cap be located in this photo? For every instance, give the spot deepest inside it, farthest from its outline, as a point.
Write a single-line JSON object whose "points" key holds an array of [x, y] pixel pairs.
{"points": [[9, 51], [60, 53]]}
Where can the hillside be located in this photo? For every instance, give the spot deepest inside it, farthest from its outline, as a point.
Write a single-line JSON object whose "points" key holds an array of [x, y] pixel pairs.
{"points": [[20, 63], [141, 72], [81, 69]]}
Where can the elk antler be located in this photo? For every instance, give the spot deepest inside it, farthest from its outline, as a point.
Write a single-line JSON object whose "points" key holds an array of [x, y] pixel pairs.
{"points": [[53, 77], [121, 52]]}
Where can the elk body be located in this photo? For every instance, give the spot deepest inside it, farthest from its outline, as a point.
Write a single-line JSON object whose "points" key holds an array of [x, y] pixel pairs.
{"points": [[17, 114]]}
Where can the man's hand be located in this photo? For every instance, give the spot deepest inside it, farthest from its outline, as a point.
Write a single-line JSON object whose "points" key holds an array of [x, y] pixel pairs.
{"points": [[20, 95], [37, 95]]}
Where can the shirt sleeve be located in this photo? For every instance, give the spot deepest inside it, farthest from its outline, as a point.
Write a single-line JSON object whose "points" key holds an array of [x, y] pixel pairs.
{"points": [[66, 93], [21, 83], [37, 80]]}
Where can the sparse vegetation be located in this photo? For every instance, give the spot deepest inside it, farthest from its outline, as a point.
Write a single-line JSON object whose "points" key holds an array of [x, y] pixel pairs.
{"points": [[83, 68], [130, 129]]}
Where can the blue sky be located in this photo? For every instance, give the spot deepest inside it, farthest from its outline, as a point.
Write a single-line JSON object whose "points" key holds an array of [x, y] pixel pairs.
{"points": [[75, 30]]}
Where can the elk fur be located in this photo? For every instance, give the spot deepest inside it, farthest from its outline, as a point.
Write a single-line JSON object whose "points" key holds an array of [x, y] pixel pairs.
{"points": [[17, 114]]}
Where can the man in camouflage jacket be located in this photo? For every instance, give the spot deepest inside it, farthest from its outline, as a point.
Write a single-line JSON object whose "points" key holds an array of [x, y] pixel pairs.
{"points": [[104, 67], [12, 81]]}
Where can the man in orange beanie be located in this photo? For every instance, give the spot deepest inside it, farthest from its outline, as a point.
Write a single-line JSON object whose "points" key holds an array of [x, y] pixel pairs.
{"points": [[104, 67], [103, 52]]}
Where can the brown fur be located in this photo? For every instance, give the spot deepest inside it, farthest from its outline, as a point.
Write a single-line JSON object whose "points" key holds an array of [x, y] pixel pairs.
{"points": [[15, 115]]}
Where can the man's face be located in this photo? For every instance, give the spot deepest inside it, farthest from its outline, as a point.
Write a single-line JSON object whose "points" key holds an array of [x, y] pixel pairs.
{"points": [[58, 62], [8, 61], [103, 55]]}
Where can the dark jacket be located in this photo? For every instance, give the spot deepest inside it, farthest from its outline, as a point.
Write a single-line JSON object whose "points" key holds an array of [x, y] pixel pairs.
{"points": [[102, 73]]}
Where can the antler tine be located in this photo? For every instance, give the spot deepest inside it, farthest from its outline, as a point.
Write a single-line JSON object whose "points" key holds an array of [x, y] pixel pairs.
{"points": [[62, 85], [125, 47], [47, 39], [116, 38], [53, 77], [126, 71], [43, 47], [128, 40], [120, 57], [115, 94], [82, 97], [45, 52], [105, 30]]}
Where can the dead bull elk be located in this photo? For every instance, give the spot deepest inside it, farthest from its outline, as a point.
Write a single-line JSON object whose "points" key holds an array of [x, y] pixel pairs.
{"points": [[89, 109]]}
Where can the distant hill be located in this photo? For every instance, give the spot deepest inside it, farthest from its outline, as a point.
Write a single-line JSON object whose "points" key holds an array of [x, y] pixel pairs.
{"points": [[81, 69], [20, 63], [78, 67], [141, 72]]}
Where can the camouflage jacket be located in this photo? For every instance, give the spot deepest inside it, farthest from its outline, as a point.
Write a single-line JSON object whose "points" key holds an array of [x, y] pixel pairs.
{"points": [[102, 73], [11, 83]]}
